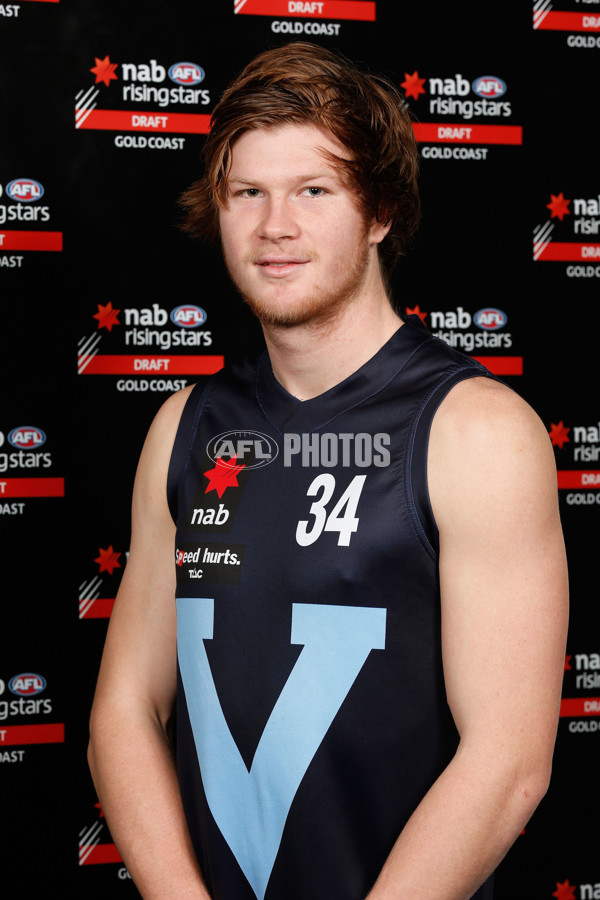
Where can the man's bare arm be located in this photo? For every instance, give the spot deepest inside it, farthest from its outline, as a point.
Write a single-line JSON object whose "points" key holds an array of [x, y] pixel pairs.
{"points": [[504, 614], [130, 754]]}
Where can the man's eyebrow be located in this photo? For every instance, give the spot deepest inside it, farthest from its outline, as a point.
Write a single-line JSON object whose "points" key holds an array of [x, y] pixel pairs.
{"points": [[293, 179]]}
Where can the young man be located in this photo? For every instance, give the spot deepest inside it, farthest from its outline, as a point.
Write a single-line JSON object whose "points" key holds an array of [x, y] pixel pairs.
{"points": [[371, 604]]}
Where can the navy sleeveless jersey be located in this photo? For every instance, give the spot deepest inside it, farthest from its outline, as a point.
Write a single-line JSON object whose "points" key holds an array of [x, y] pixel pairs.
{"points": [[311, 715]]}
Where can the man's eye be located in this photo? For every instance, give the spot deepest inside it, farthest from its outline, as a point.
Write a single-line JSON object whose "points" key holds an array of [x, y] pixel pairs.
{"points": [[315, 191], [251, 192]]}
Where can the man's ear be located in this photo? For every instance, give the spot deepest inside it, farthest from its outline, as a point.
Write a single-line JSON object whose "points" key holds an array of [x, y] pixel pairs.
{"points": [[378, 230]]}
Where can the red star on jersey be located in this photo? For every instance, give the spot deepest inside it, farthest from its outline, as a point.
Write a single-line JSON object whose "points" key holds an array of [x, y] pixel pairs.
{"points": [[413, 85], [416, 311], [564, 891], [559, 434], [558, 206], [223, 475], [107, 316], [108, 560], [104, 70]]}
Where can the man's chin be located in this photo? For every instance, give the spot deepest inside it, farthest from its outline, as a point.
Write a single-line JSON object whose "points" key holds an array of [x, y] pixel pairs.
{"points": [[314, 312]]}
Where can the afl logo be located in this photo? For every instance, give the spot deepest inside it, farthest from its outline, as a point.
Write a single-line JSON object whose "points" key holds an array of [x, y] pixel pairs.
{"points": [[186, 73], [489, 86], [25, 190], [26, 437], [188, 316], [490, 319], [27, 684], [252, 449]]}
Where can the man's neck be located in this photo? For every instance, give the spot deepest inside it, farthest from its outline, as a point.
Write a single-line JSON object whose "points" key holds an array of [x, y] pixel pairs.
{"points": [[310, 359]]}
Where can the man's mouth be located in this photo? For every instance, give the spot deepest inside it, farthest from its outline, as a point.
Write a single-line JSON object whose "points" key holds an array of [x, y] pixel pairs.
{"points": [[280, 265], [280, 260]]}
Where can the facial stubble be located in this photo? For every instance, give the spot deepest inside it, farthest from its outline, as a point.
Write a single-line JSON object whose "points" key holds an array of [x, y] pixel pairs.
{"points": [[321, 306]]}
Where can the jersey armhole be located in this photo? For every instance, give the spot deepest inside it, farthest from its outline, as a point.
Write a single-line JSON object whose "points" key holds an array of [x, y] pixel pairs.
{"points": [[182, 446], [417, 486]]}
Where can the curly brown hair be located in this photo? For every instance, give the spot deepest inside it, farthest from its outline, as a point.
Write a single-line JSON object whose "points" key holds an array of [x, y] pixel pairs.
{"points": [[304, 83]]}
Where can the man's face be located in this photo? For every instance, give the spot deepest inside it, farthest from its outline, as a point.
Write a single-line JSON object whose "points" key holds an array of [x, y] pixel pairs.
{"points": [[295, 243]]}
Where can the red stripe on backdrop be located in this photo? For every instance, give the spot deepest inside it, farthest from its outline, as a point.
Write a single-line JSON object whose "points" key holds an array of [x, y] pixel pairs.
{"points": [[502, 365], [579, 479], [153, 366], [567, 252], [32, 487], [580, 706], [102, 853], [129, 120], [443, 133], [100, 608], [32, 734], [568, 21], [358, 10], [208, 365], [31, 240]]}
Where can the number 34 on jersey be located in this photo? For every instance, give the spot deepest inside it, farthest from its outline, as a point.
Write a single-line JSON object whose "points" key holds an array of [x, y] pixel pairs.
{"points": [[329, 514]]}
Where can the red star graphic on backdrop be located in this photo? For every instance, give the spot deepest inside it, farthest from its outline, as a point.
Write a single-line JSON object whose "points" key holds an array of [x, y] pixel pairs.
{"points": [[558, 206], [108, 560], [564, 891], [223, 475], [104, 70], [559, 434], [416, 311], [100, 810], [568, 659], [107, 316], [413, 85]]}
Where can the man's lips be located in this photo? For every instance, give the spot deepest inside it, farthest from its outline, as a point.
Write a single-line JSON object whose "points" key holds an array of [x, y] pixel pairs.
{"points": [[280, 260], [280, 265]]}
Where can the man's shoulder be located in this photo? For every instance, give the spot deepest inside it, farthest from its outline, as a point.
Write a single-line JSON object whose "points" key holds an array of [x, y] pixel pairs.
{"points": [[481, 409], [488, 449], [170, 411]]}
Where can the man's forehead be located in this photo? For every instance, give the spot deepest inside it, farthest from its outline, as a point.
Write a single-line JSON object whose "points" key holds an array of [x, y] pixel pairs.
{"points": [[298, 149], [303, 136]]}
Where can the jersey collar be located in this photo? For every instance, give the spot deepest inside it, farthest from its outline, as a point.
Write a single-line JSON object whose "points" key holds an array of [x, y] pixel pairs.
{"points": [[287, 413]]}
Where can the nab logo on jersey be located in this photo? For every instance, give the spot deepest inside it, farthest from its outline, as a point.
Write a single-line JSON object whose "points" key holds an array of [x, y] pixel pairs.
{"points": [[219, 493], [253, 449]]}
